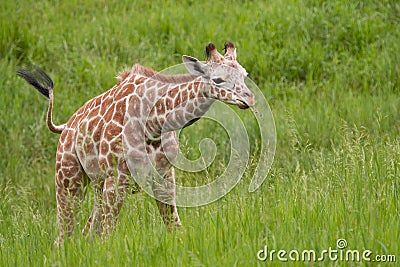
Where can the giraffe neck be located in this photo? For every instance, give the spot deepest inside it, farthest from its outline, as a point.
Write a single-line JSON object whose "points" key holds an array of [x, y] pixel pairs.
{"points": [[177, 106]]}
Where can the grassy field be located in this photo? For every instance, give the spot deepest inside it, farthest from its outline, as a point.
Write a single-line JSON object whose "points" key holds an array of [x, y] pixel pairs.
{"points": [[329, 70]]}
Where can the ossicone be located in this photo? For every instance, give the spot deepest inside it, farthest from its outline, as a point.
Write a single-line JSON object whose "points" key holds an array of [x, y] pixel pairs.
{"points": [[213, 54], [230, 51]]}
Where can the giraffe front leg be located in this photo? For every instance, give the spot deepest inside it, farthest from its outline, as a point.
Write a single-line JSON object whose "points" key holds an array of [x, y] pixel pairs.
{"points": [[164, 193]]}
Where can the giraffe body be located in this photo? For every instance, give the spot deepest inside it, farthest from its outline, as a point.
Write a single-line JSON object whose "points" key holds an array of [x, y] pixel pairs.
{"points": [[129, 131]]}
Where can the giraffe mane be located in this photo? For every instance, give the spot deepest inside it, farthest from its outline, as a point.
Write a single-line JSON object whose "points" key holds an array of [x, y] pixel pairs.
{"points": [[150, 73]]}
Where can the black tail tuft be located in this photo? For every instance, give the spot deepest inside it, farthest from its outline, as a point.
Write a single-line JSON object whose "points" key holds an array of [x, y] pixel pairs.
{"points": [[38, 78]]}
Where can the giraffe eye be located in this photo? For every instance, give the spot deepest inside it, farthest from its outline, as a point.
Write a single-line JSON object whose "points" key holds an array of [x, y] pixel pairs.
{"points": [[218, 80]]}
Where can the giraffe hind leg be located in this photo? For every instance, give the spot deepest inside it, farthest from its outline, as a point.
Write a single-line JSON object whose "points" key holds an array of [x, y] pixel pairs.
{"points": [[114, 193], [94, 222], [70, 184]]}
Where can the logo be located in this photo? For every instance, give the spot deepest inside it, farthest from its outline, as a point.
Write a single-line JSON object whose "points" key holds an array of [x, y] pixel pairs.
{"points": [[227, 117]]}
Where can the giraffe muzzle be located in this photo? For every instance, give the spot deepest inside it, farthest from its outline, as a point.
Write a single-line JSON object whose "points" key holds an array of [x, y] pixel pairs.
{"points": [[242, 105], [246, 101]]}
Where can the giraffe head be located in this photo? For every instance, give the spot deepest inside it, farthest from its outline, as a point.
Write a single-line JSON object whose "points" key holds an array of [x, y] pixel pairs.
{"points": [[224, 75]]}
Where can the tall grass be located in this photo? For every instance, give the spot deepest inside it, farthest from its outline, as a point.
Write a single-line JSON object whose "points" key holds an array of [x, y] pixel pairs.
{"points": [[330, 71]]}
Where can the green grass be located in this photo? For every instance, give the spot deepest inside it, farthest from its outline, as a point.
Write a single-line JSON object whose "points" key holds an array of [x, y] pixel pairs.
{"points": [[330, 71]]}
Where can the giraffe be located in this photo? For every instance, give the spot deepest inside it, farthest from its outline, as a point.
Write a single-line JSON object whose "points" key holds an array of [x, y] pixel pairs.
{"points": [[121, 132]]}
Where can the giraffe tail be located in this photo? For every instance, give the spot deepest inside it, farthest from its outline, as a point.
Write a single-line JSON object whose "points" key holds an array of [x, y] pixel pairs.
{"points": [[42, 82]]}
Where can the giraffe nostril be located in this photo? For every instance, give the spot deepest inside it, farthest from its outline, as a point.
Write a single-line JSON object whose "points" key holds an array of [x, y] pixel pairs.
{"points": [[247, 94]]}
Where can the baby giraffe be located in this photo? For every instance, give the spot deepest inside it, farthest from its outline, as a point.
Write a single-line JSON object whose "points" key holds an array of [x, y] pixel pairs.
{"points": [[129, 132]]}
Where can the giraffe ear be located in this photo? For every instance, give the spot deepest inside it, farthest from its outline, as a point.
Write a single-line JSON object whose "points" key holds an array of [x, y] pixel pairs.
{"points": [[195, 67]]}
